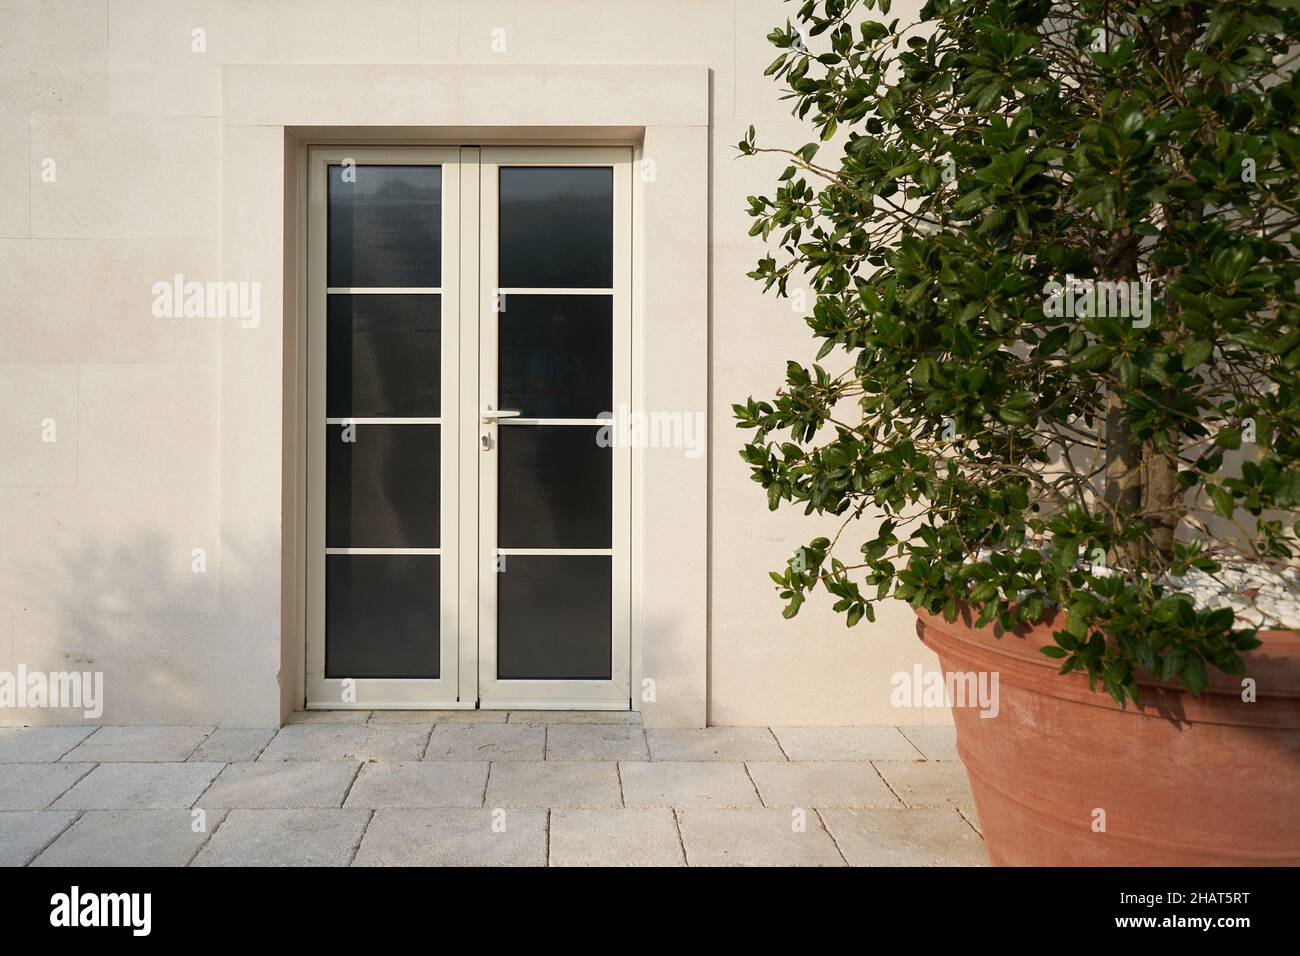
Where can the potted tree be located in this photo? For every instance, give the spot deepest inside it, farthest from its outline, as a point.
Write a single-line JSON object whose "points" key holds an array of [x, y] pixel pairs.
{"points": [[1054, 274]]}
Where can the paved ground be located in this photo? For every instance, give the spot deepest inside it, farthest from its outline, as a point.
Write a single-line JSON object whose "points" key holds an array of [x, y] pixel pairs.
{"points": [[483, 788]]}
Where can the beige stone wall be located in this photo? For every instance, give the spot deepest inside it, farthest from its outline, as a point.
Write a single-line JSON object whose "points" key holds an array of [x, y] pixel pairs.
{"points": [[111, 143]]}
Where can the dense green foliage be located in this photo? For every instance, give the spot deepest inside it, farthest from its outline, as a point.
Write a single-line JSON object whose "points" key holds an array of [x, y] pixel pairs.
{"points": [[1024, 453]]}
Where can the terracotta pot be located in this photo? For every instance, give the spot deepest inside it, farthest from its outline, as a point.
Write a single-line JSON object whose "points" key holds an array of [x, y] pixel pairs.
{"points": [[1182, 780]]}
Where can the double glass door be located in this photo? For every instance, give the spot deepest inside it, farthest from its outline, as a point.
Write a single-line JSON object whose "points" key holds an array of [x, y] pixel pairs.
{"points": [[468, 512]]}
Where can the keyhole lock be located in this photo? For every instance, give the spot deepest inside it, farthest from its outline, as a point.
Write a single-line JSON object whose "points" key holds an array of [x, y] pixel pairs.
{"points": [[486, 441]]}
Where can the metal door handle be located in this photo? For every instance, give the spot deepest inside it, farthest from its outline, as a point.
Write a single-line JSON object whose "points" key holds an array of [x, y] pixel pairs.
{"points": [[490, 416]]}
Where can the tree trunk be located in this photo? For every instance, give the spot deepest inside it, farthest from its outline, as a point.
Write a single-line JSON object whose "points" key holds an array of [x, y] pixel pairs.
{"points": [[1160, 472], [1123, 487]]}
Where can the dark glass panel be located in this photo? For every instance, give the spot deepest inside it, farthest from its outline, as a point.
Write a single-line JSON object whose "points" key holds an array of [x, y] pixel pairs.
{"points": [[553, 618], [385, 229], [381, 490], [555, 355], [384, 356], [555, 488], [381, 615], [556, 227]]}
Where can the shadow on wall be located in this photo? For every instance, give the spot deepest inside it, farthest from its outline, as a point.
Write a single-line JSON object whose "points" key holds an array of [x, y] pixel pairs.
{"points": [[665, 702], [166, 623]]}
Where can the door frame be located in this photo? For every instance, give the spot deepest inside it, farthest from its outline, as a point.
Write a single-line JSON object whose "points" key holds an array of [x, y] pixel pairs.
{"points": [[494, 692], [383, 693], [463, 498]]}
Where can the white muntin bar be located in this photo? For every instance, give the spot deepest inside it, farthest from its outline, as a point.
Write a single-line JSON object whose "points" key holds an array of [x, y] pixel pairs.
{"points": [[555, 421], [508, 292], [548, 552], [383, 421], [383, 551], [384, 290]]}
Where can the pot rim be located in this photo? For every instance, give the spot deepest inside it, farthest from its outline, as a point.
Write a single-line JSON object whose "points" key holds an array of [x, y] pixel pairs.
{"points": [[1275, 664]]}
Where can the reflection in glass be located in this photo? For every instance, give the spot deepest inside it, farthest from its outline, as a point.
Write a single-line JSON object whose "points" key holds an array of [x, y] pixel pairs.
{"points": [[556, 355], [384, 355], [556, 227], [381, 616], [381, 490], [385, 228], [554, 618], [556, 486]]}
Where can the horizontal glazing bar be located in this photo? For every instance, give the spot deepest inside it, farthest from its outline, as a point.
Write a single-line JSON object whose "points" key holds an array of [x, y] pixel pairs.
{"points": [[383, 551], [384, 290], [553, 421], [523, 552], [556, 291], [383, 421]]}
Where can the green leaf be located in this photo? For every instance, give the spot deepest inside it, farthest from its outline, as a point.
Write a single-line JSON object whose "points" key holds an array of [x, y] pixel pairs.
{"points": [[1193, 675], [1222, 500], [1196, 352], [1229, 438]]}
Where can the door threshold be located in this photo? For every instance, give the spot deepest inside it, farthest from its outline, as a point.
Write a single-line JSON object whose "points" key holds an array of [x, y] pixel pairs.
{"points": [[554, 705], [392, 705]]}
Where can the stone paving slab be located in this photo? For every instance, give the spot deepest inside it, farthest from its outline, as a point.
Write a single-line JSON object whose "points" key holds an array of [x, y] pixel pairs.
{"points": [[486, 742], [346, 741], [553, 783], [935, 743], [574, 717], [667, 784], [139, 786], [24, 833], [39, 744], [630, 837], [714, 743], [285, 838], [596, 742], [845, 743], [34, 786], [138, 744], [234, 744], [481, 787], [820, 785], [420, 784], [756, 837], [932, 784], [970, 816], [329, 717], [454, 837], [129, 838], [900, 837], [281, 785]]}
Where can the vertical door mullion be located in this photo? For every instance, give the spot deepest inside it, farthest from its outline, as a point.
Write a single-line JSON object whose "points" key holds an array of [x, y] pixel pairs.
{"points": [[621, 539], [487, 396], [468, 317], [448, 435]]}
